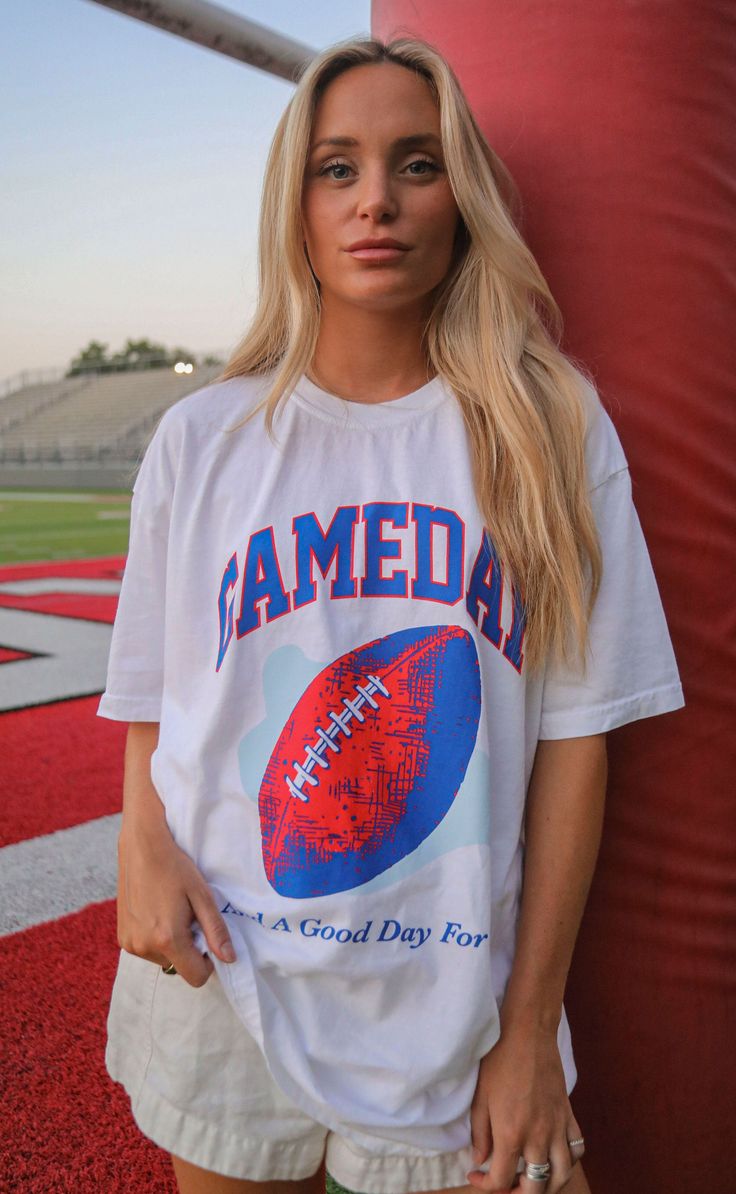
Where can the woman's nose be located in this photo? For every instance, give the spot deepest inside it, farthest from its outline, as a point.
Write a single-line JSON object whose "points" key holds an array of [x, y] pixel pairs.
{"points": [[376, 196]]}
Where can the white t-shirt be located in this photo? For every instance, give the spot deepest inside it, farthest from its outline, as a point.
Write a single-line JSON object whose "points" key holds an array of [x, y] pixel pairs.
{"points": [[347, 729]]}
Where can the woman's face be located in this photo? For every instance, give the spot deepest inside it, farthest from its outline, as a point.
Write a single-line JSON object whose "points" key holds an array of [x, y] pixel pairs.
{"points": [[379, 185]]}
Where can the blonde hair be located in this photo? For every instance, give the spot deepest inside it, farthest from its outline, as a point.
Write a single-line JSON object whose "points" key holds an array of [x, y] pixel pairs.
{"points": [[493, 336]]}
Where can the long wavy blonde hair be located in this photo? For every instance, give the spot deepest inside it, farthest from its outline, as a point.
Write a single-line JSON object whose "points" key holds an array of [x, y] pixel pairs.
{"points": [[493, 335]]}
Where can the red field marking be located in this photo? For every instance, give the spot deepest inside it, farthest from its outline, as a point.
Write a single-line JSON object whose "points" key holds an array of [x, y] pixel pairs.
{"points": [[6, 655], [107, 566], [67, 605], [61, 765], [70, 605], [65, 1125]]}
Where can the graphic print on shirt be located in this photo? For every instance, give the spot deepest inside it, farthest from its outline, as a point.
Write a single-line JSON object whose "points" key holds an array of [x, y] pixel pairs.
{"points": [[370, 760]]}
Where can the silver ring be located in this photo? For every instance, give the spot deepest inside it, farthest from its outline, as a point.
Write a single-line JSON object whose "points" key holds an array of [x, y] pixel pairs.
{"points": [[572, 1143], [537, 1172]]}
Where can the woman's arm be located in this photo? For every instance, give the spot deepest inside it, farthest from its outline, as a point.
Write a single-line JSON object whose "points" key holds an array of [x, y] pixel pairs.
{"points": [[160, 890], [520, 1105]]}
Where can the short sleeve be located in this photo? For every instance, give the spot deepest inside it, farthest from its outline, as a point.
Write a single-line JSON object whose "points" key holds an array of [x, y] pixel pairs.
{"points": [[134, 685], [632, 671]]}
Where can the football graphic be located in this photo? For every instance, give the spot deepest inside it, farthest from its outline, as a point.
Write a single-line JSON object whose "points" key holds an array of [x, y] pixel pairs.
{"points": [[370, 760]]}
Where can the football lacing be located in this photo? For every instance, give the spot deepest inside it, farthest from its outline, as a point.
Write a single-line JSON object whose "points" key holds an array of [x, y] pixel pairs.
{"points": [[326, 739]]}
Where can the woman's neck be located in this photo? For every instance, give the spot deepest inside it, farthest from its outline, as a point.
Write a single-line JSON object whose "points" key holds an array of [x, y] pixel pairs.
{"points": [[369, 356]]}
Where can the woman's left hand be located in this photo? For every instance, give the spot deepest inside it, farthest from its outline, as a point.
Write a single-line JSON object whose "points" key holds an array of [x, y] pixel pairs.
{"points": [[520, 1109]]}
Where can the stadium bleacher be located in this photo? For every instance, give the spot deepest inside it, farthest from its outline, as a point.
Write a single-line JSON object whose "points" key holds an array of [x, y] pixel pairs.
{"points": [[106, 419]]}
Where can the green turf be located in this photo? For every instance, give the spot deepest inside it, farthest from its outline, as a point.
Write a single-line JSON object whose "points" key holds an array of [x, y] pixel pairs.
{"points": [[60, 526], [333, 1188]]}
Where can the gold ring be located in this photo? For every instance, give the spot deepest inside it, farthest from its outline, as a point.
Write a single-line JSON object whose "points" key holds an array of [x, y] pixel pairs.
{"points": [[170, 969]]}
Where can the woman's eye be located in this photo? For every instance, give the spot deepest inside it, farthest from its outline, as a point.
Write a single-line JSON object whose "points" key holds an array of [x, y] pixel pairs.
{"points": [[424, 162], [334, 166], [330, 166]]}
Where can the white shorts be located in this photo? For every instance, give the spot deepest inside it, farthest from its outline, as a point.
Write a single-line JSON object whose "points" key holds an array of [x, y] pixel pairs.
{"points": [[200, 1088]]}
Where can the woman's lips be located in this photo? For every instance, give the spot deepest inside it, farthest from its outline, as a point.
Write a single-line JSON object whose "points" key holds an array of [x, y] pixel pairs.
{"points": [[387, 254]]}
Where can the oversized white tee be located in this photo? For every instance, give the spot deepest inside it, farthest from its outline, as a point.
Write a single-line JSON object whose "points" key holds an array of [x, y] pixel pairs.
{"points": [[347, 727]]}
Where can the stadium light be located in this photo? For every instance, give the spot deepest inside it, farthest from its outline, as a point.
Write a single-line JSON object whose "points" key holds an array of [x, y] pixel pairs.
{"points": [[225, 32]]}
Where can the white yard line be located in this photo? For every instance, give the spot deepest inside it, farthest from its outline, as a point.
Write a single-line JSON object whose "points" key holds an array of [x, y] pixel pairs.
{"points": [[59, 873], [71, 657], [55, 537], [85, 585], [7, 495]]}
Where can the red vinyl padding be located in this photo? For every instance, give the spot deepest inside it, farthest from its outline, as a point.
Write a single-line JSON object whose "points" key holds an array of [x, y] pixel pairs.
{"points": [[618, 122]]}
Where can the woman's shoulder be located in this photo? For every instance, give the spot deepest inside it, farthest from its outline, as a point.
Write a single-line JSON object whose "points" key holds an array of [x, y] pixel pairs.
{"points": [[216, 404], [195, 423]]}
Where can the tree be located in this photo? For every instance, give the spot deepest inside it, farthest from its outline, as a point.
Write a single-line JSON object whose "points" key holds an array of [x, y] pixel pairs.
{"points": [[137, 354], [140, 354], [94, 356]]}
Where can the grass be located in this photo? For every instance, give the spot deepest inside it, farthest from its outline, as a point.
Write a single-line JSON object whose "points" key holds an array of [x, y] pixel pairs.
{"points": [[62, 524], [333, 1188]]}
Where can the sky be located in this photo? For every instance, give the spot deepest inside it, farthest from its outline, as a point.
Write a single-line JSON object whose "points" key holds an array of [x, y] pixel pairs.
{"points": [[131, 165]]}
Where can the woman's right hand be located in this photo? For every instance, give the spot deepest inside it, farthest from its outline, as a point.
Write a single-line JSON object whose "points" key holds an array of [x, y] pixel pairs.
{"points": [[160, 890]]}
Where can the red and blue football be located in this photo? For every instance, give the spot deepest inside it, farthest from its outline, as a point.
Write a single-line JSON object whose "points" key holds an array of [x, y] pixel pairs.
{"points": [[370, 760]]}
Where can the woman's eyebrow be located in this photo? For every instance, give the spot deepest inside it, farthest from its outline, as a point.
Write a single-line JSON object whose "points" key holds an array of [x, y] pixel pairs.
{"points": [[414, 139]]}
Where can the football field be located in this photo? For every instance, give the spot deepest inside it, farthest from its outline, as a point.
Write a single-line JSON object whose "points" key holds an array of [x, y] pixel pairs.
{"points": [[61, 560], [62, 524]]}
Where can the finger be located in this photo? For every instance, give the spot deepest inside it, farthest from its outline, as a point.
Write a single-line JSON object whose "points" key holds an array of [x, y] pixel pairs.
{"points": [[188, 962], [133, 939], [528, 1185], [482, 1182], [559, 1155], [148, 955], [175, 945], [502, 1169], [212, 925], [492, 1179], [195, 968], [574, 1132], [519, 1171], [577, 1152], [480, 1131], [534, 1155]]}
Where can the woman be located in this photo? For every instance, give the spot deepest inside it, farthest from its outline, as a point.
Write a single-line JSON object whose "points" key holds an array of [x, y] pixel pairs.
{"points": [[370, 643]]}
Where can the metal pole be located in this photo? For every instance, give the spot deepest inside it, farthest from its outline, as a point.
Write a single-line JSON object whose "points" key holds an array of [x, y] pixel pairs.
{"points": [[225, 32]]}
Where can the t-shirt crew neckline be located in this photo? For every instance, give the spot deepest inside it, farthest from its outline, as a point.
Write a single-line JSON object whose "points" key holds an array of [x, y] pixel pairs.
{"points": [[371, 414]]}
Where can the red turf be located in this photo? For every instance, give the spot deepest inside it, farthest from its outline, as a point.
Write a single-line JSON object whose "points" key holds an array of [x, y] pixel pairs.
{"points": [[7, 654], [61, 765], [67, 605], [70, 605], [65, 1125], [107, 566]]}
